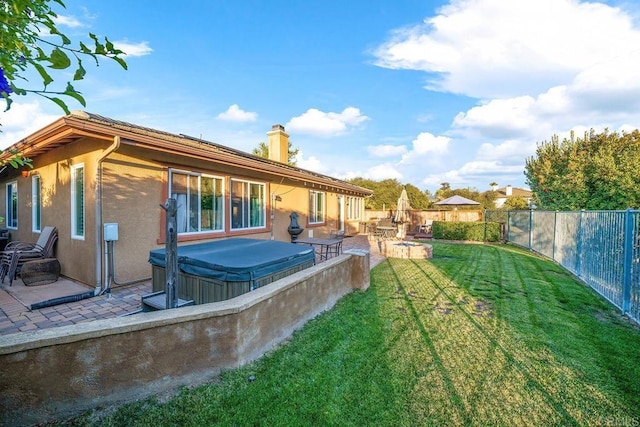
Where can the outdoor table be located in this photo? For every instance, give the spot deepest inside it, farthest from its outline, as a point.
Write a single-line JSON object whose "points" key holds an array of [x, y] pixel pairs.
{"points": [[388, 231], [324, 245]]}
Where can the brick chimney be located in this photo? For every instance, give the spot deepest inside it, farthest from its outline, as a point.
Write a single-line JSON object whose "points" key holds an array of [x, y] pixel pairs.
{"points": [[278, 144], [508, 190]]}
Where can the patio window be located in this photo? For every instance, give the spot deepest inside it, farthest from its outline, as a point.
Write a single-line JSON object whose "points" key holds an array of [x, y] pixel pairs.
{"points": [[354, 207], [248, 207], [200, 201], [36, 204], [11, 213], [316, 207], [77, 201]]}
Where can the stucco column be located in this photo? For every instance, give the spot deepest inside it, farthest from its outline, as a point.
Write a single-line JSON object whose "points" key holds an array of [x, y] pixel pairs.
{"points": [[360, 268]]}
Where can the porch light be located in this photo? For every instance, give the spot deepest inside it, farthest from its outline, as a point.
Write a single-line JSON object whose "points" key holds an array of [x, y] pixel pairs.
{"points": [[25, 174]]}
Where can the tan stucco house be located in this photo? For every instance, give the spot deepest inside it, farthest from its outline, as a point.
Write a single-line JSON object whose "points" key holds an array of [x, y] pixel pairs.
{"points": [[90, 170], [504, 193]]}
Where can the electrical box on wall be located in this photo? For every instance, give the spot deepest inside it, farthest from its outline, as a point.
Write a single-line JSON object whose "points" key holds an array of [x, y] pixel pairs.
{"points": [[110, 231]]}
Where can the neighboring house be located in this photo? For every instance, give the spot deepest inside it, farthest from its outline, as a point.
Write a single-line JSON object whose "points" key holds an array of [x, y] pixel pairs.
{"points": [[90, 170], [504, 193]]}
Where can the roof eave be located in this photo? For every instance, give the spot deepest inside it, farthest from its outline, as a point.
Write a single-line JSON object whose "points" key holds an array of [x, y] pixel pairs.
{"points": [[70, 128]]}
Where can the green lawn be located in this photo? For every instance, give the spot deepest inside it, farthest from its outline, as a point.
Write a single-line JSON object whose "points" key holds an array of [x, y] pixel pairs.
{"points": [[479, 335]]}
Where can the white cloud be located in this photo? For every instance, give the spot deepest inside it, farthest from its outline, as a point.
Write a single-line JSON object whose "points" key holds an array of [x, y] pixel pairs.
{"points": [[383, 171], [235, 114], [508, 150], [22, 120], [497, 48], [133, 49], [607, 95], [542, 67], [476, 174], [386, 150], [426, 145], [484, 168], [319, 123], [311, 163], [499, 118], [347, 174], [429, 143], [67, 21]]}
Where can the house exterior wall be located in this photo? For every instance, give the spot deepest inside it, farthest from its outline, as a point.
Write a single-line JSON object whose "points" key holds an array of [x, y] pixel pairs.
{"points": [[132, 192], [54, 170], [133, 182]]}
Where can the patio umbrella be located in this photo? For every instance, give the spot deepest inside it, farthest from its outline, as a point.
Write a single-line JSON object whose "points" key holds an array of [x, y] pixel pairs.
{"points": [[457, 201], [403, 213]]}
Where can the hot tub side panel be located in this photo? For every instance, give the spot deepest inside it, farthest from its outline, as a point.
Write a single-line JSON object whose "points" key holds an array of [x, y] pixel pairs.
{"points": [[215, 271]]}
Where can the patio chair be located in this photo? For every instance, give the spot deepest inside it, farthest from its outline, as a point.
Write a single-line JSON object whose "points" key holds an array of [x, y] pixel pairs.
{"points": [[17, 253]]}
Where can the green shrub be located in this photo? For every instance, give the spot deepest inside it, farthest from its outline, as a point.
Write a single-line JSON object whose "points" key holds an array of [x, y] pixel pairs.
{"points": [[475, 231]]}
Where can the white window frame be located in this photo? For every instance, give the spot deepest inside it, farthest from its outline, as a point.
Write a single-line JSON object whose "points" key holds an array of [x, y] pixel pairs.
{"points": [[314, 216], [36, 203], [76, 214], [184, 204], [354, 211], [11, 218], [246, 203]]}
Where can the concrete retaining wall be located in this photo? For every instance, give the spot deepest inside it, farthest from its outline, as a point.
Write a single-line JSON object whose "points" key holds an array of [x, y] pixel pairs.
{"points": [[58, 372]]}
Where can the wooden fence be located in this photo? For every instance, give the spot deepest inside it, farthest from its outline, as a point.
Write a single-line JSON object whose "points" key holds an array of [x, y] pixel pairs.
{"points": [[419, 217]]}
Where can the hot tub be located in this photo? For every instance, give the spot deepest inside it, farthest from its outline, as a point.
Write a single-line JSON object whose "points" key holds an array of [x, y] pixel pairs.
{"points": [[224, 269]]}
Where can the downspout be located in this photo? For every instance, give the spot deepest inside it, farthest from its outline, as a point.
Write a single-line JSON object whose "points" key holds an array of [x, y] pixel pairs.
{"points": [[99, 259], [105, 287], [99, 289]]}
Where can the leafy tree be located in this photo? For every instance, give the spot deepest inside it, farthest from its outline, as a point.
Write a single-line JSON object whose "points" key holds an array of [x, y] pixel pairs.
{"points": [[444, 191], [485, 199], [387, 192], [516, 203], [262, 150], [598, 171], [418, 199], [30, 40]]}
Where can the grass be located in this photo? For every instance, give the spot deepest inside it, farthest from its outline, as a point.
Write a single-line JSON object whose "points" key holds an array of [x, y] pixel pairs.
{"points": [[479, 335]]}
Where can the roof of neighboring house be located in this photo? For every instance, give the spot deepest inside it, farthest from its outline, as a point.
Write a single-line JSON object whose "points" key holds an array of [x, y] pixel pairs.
{"points": [[80, 124], [515, 192]]}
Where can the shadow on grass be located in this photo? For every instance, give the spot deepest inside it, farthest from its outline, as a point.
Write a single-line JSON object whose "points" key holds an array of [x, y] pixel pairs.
{"points": [[479, 335], [534, 360]]}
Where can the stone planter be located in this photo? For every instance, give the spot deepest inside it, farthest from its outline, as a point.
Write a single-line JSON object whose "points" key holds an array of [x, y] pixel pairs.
{"points": [[407, 250]]}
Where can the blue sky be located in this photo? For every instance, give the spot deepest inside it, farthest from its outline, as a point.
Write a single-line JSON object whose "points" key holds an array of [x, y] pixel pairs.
{"points": [[422, 91]]}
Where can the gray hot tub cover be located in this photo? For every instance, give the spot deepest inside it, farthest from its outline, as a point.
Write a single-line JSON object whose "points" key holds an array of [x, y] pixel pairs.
{"points": [[236, 259]]}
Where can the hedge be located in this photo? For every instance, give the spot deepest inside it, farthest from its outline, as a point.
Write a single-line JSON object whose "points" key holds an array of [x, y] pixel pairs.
{"points": [[474, 231]]}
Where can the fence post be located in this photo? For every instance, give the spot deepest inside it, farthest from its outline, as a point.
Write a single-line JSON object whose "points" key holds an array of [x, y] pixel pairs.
{"points": [[628, 260], [579, 246], [530, 229], [508, 226], [555, 231], [485, 226]]}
